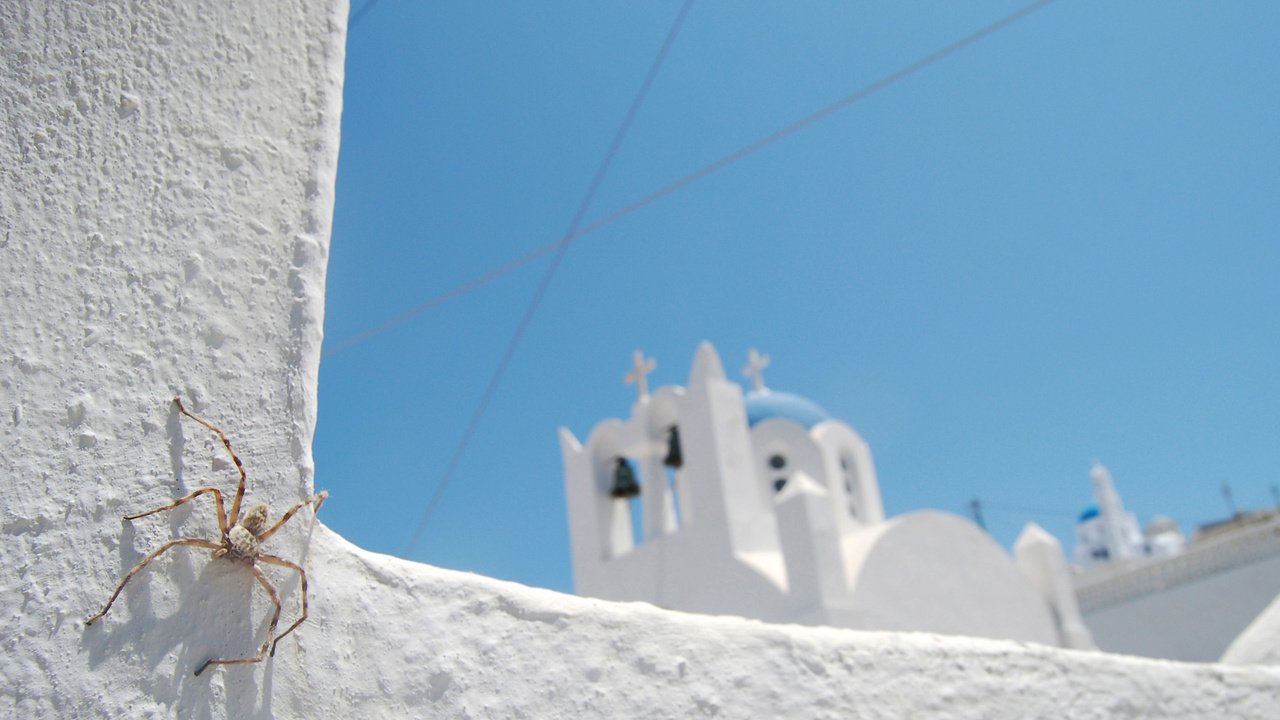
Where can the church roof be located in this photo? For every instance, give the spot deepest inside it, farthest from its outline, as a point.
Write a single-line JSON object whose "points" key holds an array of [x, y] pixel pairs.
{"points": [[766, 404]]}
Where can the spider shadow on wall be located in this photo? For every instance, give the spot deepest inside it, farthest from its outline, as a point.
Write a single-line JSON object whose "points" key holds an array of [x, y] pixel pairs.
{"points": [[192, 602], [188, 603]]}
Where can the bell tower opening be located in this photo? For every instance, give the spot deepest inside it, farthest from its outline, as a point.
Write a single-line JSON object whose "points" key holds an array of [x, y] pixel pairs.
{"points": [[851, 490]]}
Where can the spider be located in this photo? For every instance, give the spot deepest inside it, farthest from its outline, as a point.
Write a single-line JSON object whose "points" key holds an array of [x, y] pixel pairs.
{"points": [[240, 540]]}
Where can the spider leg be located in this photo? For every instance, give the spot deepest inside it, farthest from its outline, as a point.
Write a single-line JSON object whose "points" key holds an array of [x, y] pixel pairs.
{"points": [[235, 504], [275, 619], [217, 499], [146, 561], [273, 560], [318, 499]]}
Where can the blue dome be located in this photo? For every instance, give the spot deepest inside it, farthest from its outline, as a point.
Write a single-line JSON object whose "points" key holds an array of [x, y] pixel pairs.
{"points": [[763, 405], [1089, 513]]}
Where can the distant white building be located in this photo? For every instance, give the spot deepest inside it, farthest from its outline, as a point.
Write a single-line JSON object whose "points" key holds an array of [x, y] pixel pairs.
{"points": [[1106, 531], [708, 500], [1151, 593]]}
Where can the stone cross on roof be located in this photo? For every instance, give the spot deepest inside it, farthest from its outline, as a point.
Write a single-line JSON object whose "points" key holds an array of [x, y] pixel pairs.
{"points": [[756, 363], [640, 370]]}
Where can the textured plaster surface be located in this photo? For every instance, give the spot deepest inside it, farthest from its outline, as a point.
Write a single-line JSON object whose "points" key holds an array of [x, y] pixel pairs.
{"points": [[166, 175], [166, 179]]}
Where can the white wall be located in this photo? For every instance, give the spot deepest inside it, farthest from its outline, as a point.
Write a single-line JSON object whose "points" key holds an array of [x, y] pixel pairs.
{"points": [[1155, 625], [166, 175], [166, 190], [1260, 641]]}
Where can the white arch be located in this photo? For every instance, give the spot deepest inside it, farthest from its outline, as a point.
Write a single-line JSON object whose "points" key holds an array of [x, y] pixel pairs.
{"points": [[852, 472]]}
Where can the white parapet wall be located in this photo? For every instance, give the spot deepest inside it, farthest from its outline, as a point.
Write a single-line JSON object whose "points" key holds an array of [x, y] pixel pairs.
{"points": [[1140, 606], [166, 180]]}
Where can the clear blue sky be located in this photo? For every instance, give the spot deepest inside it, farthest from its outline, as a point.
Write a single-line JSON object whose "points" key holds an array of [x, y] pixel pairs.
{"points": [[1057, 245]]}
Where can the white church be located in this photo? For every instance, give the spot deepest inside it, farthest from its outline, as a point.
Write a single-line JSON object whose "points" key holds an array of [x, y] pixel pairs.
{"points": [[762, 505]]}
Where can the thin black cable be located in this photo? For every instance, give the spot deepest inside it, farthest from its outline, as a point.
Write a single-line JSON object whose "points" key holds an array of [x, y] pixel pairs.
{"points": [[440, 299], [550, 273], [831, 109], [691, 178], [1011, 508], [359, 14]]}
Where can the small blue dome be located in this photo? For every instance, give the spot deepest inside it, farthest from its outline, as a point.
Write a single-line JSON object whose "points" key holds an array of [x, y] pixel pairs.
{"points": [[766, 404], [1089, 513]]}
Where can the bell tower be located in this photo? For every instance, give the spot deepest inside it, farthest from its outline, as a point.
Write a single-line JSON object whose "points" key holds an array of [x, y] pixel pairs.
{"points": [[762, 505], [687, 449]]}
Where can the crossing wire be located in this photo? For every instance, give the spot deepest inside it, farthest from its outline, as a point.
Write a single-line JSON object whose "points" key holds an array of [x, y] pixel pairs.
{"points": [[561, 248], [691, 178], [358, 15]]}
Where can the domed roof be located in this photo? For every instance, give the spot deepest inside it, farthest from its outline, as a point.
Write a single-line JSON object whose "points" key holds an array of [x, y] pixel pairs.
{"points": [[765, 404], [1161, 524], [1089, 513]]}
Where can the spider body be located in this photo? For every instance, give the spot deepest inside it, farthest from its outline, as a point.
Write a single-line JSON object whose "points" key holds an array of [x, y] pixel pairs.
{"points": [[240, 541]]}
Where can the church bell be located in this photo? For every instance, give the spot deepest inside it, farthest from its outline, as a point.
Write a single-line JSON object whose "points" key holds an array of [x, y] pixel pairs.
{"points": [[674, 458], [624, 480]]}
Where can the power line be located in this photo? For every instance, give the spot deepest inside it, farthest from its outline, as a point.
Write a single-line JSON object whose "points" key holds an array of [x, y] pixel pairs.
{"points": [[1020, 509], [441, 299], [358, 15], [562, 247], [693, 177], [574, 232]]}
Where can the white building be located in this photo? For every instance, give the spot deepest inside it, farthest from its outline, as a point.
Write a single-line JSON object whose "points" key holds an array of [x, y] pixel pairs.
{"points": [[764, 506], [1151, 593], [1106, 531]]}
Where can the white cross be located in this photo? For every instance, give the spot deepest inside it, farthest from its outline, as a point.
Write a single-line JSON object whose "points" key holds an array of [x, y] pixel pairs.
{"points": [[756, 363], [638, 375]]}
